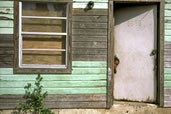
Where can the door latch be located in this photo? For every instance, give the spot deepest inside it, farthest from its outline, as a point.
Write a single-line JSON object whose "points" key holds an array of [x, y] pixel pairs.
{"points": [[153, 52]]}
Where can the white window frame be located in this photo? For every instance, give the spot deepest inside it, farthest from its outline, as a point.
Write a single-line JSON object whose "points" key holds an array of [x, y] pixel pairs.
{"points": [[21, 65]]}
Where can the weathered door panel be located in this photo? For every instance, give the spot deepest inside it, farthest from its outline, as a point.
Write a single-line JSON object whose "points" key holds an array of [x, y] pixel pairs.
{"points": [[135, 37]]}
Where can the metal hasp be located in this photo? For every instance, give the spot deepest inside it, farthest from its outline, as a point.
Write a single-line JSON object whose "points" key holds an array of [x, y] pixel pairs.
{"points": [[153, 52]]}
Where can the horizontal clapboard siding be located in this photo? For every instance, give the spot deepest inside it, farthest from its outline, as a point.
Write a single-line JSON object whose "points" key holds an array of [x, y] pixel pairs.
{"points": [[89, 35], [167, 55], [86, 86], [60, 101], [167, 81], [6, 27], [6, 51], [6, 17]]}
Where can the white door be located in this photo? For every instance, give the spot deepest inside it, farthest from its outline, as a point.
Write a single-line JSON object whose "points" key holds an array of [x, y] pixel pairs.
{"points": [[135, 37]]}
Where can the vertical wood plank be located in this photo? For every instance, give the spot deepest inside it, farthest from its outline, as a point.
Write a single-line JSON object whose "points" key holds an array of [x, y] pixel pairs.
{"points": [[161, 55], [16, 35], [110, 54]]}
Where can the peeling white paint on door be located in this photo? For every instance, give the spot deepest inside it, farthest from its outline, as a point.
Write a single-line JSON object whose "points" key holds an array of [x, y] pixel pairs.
{"points": [[135, 36]]}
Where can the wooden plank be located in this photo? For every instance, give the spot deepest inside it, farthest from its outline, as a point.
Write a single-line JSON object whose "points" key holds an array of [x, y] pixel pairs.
{"points": [[82, 25], [9, 106], [89, 71], [6, 58], [6, 4], [92, 90], [43, 43], [167, 70], [167, 1], [167, 74], [167, 84], [167, 91], [6, 64], [167, 45], [54, 77], [62, 105], [167, 26], [78, 71], [57, 98], [16, 35], [6, 16], [89, 57], [6, 10], [167, 19], [72, 105], [167, 58], [139, 1], [6, 36], [43, 25], [167, 104], [101, 1], [167, 6], [94, 32], [93, 19], [167, 98], [167, 38], [76, 51], [167, 51], [93, 12], [89, 38], [6, 51], [11, 101], [89, 45], [81, 98], [54, 84], [6, 42], [96, 5], [167, 64], [6, 23], [76, 64], [110, 53], [6, 45], [168, 32], [6, 30], [167, 12], [167, 77], [82, 64], [52, 71], [91, 64]]}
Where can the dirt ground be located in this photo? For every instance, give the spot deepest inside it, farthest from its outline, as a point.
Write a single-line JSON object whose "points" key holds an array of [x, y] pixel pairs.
{"points": [[117, 108]]}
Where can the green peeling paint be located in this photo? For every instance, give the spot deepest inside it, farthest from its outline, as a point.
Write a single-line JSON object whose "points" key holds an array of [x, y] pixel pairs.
{"points": [[88, 77]]}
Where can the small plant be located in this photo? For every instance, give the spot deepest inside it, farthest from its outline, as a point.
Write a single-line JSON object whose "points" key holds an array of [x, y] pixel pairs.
{"points": [[34, 100]]}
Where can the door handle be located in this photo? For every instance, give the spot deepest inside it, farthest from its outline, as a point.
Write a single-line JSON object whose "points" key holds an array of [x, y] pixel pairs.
{"points": [[153, 52], [116, 63]]}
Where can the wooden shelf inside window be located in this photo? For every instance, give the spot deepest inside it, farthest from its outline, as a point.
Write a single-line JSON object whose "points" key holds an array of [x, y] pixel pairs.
{"points": [[42, 17], [43, 33]]}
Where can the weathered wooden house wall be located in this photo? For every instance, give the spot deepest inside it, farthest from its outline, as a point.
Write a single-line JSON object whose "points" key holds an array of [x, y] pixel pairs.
{"points": [[87, 83], [89, 59]]}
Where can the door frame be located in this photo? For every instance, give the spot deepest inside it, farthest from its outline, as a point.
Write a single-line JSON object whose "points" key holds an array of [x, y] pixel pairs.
{"points": [[160, 47]]}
